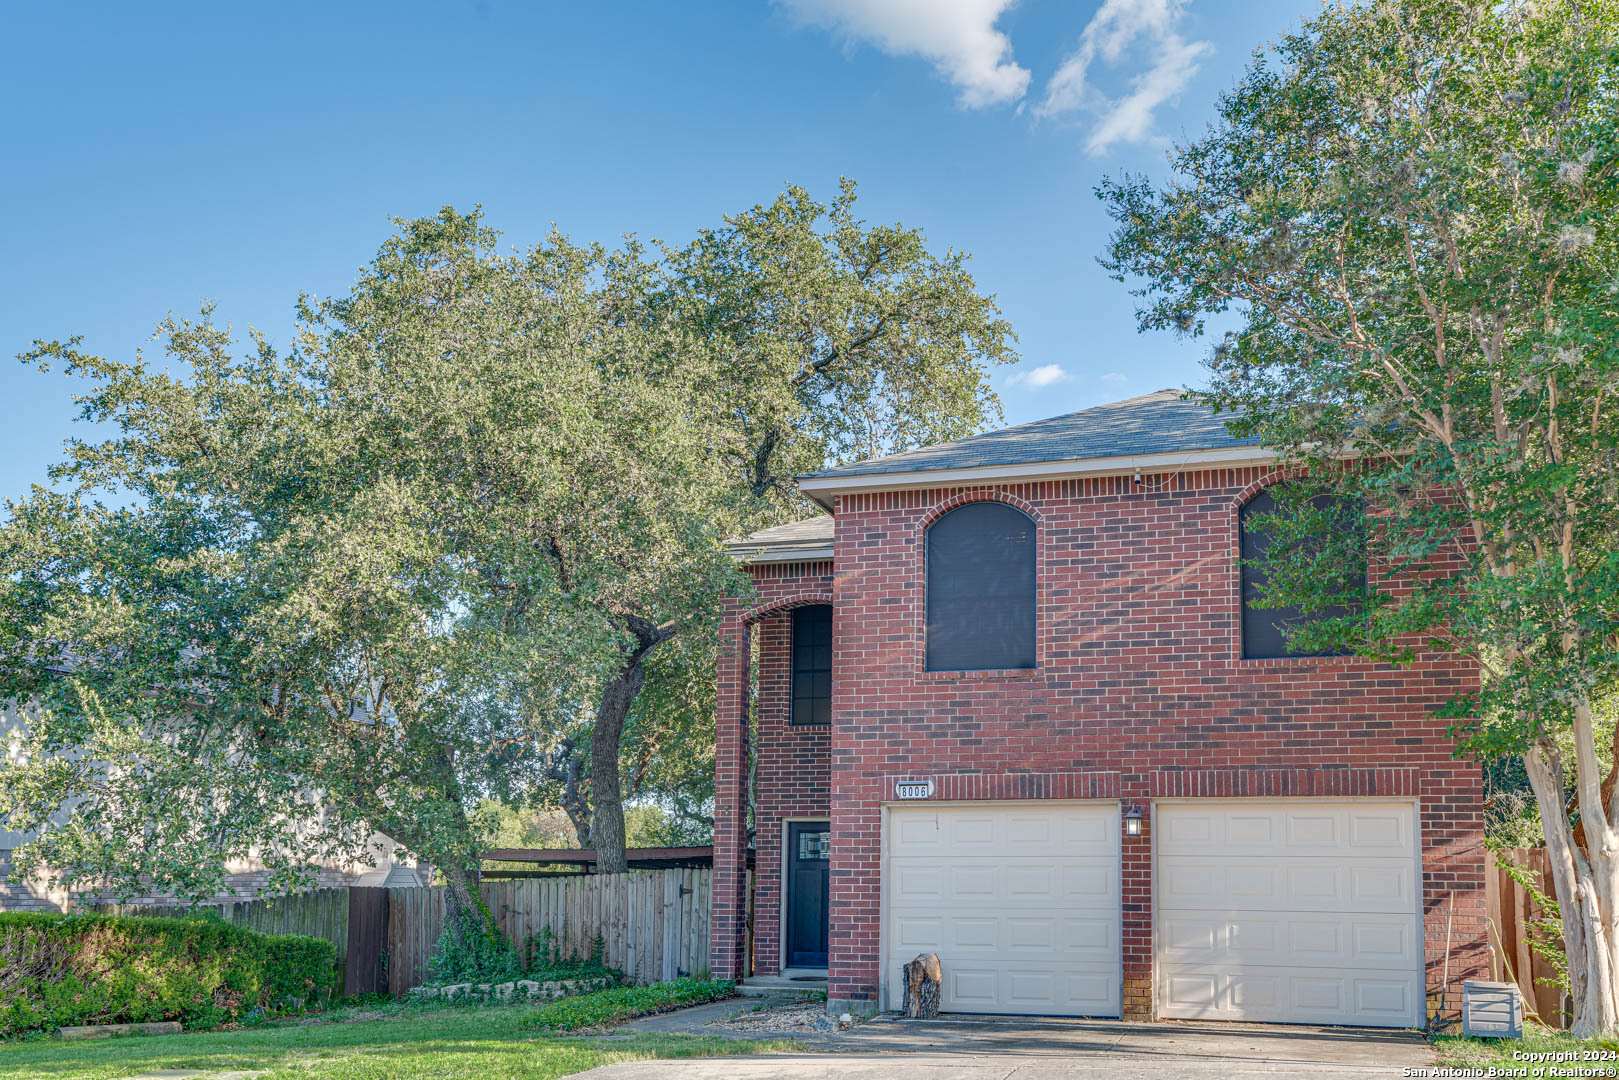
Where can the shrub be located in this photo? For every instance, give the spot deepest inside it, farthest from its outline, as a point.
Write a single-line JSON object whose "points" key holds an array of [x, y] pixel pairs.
{"points": [[607, 1007], [544, 960], [471, 949], [60, 970]]}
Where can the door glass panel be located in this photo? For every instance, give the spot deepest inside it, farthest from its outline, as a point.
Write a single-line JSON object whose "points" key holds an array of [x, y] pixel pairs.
{"points": [[815, 845]]}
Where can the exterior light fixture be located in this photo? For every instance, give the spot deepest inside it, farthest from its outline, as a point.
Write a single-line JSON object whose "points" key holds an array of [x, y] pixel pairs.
{"points": [[1132, 821]]}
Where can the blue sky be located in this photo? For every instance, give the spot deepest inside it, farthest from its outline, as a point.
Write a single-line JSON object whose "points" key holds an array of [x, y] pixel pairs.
{"points": [[157, 154]]}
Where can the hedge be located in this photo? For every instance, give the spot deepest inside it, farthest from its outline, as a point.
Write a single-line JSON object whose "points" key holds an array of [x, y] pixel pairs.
{"points": [[58, 970]]}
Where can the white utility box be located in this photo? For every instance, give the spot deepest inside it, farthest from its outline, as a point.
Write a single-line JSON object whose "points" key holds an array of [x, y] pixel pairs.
{"points": [[1492, 1010]]}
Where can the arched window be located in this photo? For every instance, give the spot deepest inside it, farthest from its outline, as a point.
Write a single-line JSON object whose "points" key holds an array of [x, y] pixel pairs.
{"points": [[980, 589], [1263, 635]]}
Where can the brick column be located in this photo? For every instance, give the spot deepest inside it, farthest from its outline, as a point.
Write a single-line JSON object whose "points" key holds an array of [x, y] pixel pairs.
{"points": [[1135, 883], [728, 917]]}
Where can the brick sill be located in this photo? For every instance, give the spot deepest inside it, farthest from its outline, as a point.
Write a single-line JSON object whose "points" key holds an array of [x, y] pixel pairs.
{"points": [[999, 675], [1313, 661]]}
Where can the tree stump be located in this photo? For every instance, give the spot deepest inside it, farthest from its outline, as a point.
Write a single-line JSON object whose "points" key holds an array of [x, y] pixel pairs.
{"points": [[922, 978]]}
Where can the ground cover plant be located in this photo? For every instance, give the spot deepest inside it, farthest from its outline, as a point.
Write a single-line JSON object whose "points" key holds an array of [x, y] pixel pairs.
{"points": [[605, 1008]]}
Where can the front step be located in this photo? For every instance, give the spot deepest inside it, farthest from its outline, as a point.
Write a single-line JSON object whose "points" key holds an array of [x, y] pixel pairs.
{"points": [[788, 984]]}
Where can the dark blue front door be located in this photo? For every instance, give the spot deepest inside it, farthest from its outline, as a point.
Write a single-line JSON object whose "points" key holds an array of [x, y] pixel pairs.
{"points": [[809, 858]]}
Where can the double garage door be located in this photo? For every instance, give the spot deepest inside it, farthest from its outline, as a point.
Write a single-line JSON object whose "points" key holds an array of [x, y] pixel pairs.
{"points": [[1284, 912]]}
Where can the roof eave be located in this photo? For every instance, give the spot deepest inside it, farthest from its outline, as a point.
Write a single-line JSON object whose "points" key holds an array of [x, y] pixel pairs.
{"points": [[821, 488], [751, 555]]}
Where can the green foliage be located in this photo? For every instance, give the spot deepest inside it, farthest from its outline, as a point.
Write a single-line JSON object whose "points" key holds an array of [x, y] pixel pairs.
{"points": [[58, 970], [605, 1008], [366, 581], [544, 959], [472, 949], [1408, 208]]}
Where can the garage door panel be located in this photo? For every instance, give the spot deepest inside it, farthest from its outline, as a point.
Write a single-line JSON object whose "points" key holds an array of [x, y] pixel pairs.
{"points": [[1287, 882], [1293, 829], [1292, 912], [1020, 902], [1032, 883], [1286, 995], [994, 832], [1230, 938], [1066, 939]]}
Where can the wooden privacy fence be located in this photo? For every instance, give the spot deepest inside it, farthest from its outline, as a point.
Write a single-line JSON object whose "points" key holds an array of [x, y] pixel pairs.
{"points": [[353, 920], [653, 924], [1511, 909]]}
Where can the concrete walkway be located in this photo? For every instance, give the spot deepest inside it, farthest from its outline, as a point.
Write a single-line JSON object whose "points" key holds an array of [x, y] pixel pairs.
{"points": [[1008, 1048]]}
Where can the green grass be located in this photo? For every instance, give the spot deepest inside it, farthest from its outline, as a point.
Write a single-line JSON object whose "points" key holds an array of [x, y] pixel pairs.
{"points": [[450, 1043], [1455, 1050], [607, 1007]]}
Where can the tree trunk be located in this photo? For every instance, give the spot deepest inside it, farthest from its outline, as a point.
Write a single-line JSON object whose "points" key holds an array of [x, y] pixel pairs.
{"points": [[606, 793], [563, 765], [1586, 877], [462, 914], [607, 825]]}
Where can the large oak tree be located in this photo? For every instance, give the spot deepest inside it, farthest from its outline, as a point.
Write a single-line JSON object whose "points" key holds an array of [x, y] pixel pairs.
{"points": [[429, 554]]}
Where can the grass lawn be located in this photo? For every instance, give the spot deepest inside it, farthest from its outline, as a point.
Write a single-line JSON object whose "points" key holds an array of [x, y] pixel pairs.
{"points": [[476, 1043], [1458, 1051]]}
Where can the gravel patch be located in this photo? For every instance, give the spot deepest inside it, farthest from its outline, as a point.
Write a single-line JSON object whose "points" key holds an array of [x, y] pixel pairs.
{"points": [[797, 1016]]}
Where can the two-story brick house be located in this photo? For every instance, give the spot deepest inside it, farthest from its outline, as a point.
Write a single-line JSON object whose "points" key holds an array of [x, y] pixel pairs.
{"points": [[1009, 707]]}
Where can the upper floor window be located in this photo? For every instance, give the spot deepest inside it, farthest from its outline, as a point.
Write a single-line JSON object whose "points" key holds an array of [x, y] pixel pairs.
{"points": [[980, 589], [1264, 628], [812, 664]]}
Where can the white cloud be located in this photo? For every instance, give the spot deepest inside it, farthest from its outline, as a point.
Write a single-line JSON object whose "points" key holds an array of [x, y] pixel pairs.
{"points": [[1117, 27], [957, 36], [1039, 377], [1115, 378]]}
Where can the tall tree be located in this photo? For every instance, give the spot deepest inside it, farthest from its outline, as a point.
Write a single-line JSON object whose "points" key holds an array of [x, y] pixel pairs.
{"points": [[323, 565], [429, 554], [1410, 208], [809, 337]]}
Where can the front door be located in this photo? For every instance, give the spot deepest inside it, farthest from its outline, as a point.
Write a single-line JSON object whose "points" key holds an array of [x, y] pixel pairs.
{"points": [[809, 856]]}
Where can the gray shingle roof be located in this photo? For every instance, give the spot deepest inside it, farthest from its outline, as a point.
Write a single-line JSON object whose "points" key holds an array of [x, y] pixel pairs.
{"points": [[810, 538], [1150, 424]]}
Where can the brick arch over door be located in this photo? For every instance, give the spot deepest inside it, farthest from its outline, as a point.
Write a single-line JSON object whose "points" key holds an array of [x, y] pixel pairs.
{"points": [[786, 603]]}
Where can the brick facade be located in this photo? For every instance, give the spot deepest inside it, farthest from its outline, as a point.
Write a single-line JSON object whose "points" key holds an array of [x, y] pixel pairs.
{"points": [[1140, 694]]}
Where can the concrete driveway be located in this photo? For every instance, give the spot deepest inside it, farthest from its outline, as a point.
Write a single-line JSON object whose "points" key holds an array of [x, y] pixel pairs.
{"points": [[1007, 1048]]}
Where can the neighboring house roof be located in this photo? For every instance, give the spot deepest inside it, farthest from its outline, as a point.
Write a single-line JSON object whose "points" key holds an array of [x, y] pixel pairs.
{"points": [[1157, 423], [799, 541]]}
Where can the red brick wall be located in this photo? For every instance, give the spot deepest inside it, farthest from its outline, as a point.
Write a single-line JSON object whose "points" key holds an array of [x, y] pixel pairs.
{"points": [[793, 780], [1140, 688]]}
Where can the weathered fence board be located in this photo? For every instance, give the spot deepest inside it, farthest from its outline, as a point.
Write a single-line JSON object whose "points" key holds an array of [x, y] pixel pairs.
{"points": [[365, 968], [653, 924], [1510, 909]]}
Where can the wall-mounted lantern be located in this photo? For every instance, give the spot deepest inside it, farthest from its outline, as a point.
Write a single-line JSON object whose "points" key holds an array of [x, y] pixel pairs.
{"points": [[1132, 821]]}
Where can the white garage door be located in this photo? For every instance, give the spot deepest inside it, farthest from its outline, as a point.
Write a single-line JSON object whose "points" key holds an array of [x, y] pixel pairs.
{"points": [[1299, 912], [1020, 901]]}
